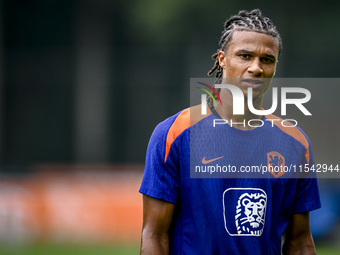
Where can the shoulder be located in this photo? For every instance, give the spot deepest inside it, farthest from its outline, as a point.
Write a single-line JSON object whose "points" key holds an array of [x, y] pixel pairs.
{"points": [[292, 131], [170, 129], [176, 124], [289, 129]]}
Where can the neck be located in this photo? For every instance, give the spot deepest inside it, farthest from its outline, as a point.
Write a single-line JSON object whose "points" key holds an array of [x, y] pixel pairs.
{"points": [[237, 121]]}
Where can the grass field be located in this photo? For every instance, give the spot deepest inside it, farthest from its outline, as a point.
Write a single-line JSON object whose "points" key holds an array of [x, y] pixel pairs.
{"points": [[70, 249], [96, 249], [328, 250]]}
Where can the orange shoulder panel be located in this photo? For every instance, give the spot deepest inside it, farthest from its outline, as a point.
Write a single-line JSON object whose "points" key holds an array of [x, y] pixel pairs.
{"points": [[293, 132], [184, 120]]}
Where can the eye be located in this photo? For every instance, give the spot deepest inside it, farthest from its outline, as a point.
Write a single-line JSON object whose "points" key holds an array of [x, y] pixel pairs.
{"points": [[245, 56], [267, 60]]}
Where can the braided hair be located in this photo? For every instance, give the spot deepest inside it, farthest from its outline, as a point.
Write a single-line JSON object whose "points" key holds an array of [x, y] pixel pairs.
{"points": [[244, 21]]}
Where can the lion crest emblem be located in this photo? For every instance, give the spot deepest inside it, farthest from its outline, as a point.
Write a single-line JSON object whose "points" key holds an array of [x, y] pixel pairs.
{"points": [[250, 214]]}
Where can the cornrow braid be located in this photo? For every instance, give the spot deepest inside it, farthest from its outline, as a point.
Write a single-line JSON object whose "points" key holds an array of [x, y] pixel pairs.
{"points": [[244, 21]]}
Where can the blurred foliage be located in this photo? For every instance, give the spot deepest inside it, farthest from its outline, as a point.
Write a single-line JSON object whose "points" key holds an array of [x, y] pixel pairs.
{"points": [[159, 44], [167, 22]]}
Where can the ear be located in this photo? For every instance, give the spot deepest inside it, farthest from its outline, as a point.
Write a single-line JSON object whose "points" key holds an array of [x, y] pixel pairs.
{"points": [[222, 59], [275, 67]]}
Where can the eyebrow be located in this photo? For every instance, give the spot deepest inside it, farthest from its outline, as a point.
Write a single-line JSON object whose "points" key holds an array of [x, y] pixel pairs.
{"points": [[252, 52]]}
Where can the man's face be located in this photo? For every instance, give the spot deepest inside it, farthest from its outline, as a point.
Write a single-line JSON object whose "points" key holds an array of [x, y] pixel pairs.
{"points": [[250, 61]]}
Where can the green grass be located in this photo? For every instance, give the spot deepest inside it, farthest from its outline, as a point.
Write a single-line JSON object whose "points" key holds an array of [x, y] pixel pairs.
{"points": [[70, 249], [328, 250], [101, 249]]}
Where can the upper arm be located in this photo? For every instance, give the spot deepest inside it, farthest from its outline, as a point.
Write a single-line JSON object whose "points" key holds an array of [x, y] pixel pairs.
{"points": [[298, 238], [157, 218]]}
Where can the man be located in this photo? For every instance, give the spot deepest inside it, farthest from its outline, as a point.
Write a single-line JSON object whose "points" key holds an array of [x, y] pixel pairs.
{"points": [[235, 215]]}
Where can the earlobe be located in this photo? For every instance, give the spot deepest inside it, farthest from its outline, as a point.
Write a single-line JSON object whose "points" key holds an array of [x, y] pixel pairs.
{"points": [[221, 58]]}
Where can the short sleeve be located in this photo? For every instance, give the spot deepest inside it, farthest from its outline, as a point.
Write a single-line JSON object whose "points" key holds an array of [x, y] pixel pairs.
{"points": [[161, 177], [307, 196]]}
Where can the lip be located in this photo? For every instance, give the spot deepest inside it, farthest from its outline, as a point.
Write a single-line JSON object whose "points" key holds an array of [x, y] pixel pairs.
{"points": [[253, 83]]}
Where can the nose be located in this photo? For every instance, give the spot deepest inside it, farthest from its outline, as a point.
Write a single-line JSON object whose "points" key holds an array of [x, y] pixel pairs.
{"points": [[255, 67]]}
